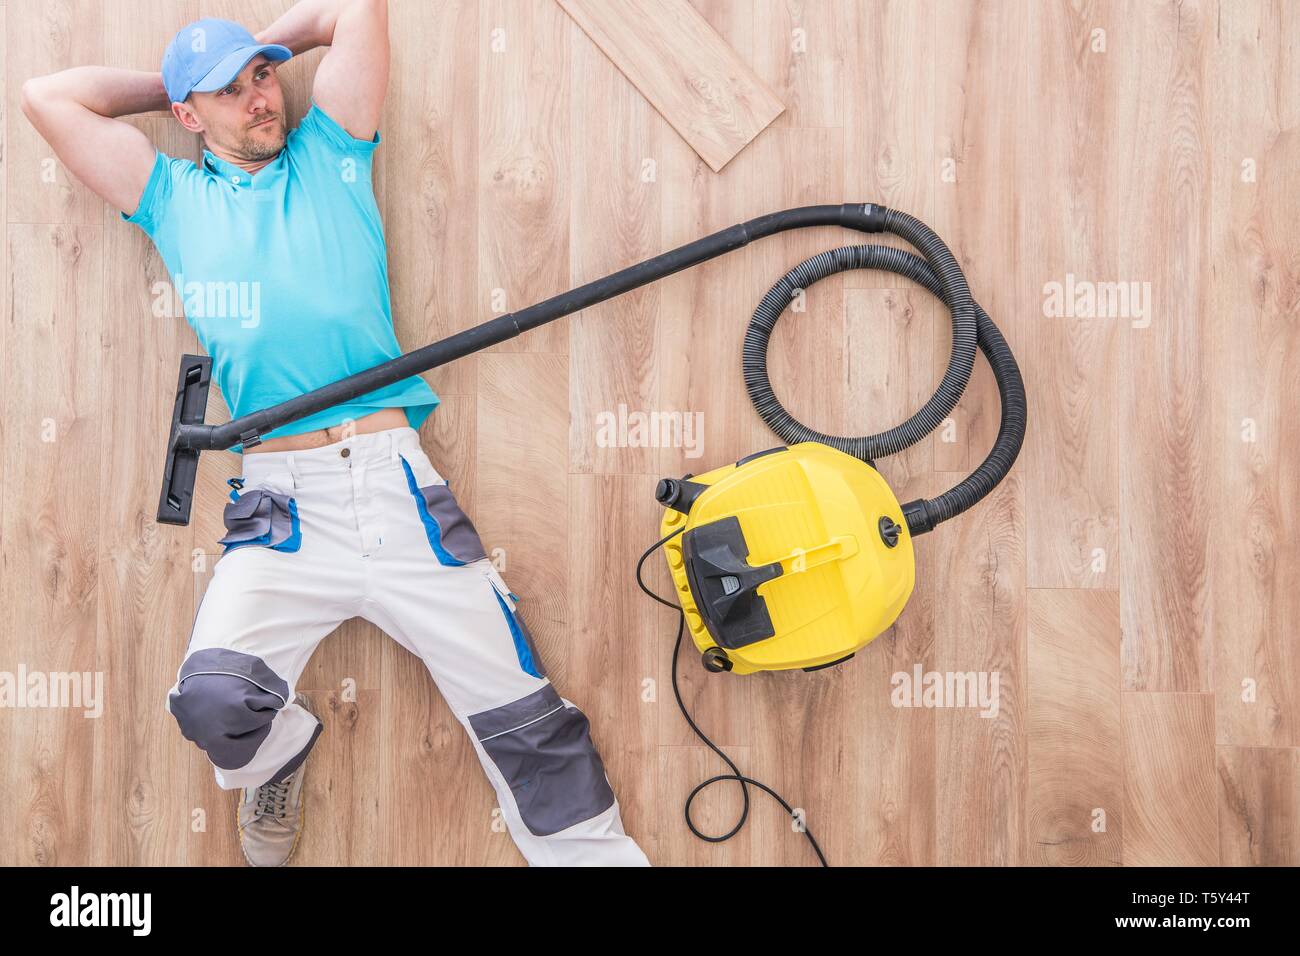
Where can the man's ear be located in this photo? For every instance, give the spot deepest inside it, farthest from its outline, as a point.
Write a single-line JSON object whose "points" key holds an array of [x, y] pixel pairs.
{"points": [[186, 116]]}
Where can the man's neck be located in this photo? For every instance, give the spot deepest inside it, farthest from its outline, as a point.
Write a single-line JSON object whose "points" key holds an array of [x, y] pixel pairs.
{"points": [[250, 166]]}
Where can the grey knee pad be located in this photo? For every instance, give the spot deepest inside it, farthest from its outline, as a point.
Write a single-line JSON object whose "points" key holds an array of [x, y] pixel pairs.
{"points": [[225, 701], [544, 751]]}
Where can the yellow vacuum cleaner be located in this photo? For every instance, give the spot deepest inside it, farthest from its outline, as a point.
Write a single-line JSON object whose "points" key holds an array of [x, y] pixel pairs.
{"points": [[791, 557]]}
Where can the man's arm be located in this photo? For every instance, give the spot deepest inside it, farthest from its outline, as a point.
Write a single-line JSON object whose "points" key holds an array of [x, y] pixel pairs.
{"points": [[353, 76], [75, 110]]}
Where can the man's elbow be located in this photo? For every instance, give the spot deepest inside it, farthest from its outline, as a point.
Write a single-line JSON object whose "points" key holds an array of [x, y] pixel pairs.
{"points": [[35, 95], [30, 94]]}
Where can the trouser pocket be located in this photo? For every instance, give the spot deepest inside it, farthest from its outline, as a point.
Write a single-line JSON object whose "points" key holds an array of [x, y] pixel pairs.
{"points": [[525, 648], [451, 534], [544, 751], [262, 517]]}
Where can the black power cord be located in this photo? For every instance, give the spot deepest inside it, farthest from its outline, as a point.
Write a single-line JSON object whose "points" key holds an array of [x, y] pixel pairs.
{"points": [[735, 774]]}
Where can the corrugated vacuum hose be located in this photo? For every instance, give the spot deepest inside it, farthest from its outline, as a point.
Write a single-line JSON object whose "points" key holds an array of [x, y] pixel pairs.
{"points": [[971, 326]]}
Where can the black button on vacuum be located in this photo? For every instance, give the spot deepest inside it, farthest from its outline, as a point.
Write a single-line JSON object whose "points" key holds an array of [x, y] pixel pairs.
{"points": [[889, 531]]}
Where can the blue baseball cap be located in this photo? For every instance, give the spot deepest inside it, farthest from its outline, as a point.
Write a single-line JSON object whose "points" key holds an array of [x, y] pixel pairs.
{"points": [[207, 54]]}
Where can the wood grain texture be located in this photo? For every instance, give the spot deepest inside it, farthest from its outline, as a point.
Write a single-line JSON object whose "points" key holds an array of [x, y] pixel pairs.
{"points": [[50, 36], [50, 589], [1158, 684], [1076, 758], [1256, 282], [613, 643], [1170, 810], [698, 83], [812, 89], [1259, 806], [1072, 459], [1167, 510]]}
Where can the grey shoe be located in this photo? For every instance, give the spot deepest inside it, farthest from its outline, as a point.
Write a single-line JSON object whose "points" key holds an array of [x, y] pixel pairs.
{"points": [[270, 817]]}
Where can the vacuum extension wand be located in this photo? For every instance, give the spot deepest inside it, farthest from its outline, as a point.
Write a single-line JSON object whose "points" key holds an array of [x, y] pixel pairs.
{"points": [[936, 269]]}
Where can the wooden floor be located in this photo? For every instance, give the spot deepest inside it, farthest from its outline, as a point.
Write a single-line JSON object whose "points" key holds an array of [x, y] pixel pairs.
{"points": [[1133, 584]]}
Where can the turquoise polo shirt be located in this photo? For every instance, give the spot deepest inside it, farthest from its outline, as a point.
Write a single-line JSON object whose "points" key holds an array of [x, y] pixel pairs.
{"points": [[283, 274]]}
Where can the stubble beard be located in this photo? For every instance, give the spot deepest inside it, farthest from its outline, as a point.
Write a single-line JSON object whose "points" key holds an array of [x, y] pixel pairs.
{"points": [[255, 149]]}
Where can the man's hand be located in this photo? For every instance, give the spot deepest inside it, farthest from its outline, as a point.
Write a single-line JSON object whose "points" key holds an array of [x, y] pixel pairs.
{"points": [[75, 111], [353, 76]]}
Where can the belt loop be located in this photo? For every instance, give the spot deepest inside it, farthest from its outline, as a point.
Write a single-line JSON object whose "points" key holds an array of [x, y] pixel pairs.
{"points": [[292, 464], [394, 445]]}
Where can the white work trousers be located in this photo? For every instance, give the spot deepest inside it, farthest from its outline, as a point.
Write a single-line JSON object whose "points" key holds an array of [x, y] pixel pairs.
{"points": [[366, 527]]}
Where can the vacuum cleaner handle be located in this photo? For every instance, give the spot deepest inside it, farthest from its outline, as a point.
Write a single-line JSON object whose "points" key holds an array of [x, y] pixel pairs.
{"points": [[182, 465], [190, 436]]}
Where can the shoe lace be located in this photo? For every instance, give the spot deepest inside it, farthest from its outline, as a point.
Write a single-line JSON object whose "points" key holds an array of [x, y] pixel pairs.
{"points": [[273, 798]]}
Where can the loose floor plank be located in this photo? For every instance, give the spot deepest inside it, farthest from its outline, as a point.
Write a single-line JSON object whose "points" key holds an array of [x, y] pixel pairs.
{"points": [[688, 73]]}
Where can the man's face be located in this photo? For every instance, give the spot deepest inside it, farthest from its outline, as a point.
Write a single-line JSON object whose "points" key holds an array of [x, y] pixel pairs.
{"points": [[246, 118]]}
